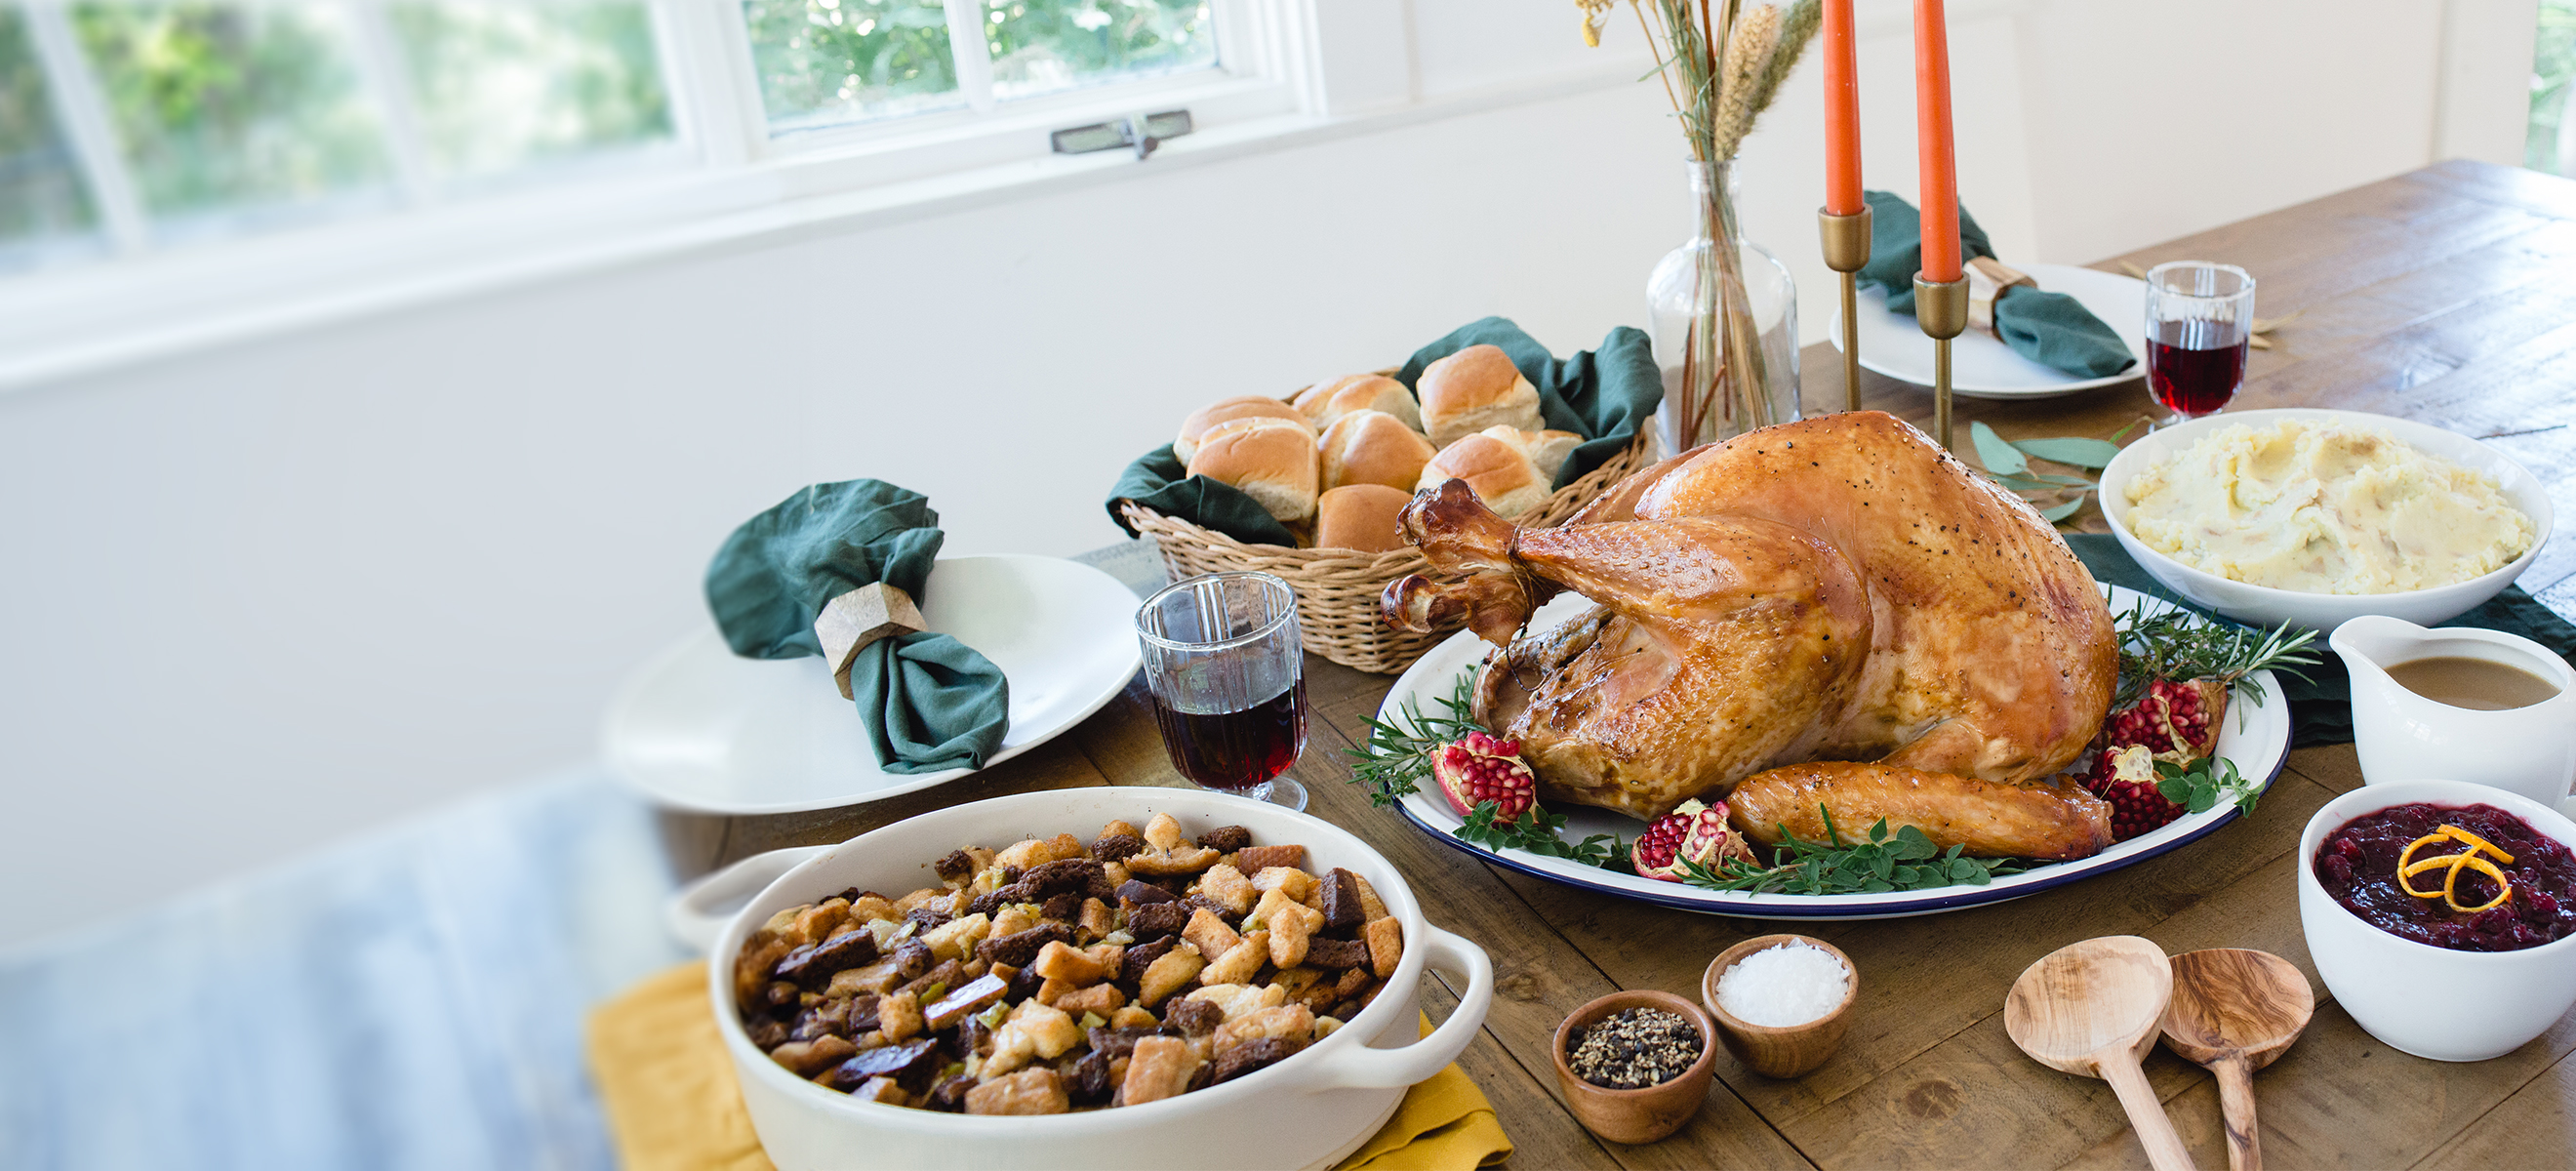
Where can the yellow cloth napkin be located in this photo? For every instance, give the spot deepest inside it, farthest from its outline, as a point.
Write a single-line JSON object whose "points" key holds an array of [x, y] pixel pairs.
{"points": [[672, 1103]]}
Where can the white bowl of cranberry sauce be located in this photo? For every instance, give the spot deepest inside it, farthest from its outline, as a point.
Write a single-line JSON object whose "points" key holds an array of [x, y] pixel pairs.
{"points": [[1308, 1109], [2461, 972]]}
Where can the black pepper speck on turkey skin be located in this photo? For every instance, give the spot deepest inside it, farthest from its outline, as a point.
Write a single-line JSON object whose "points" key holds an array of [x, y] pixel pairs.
{"points": [[1835, 589]]}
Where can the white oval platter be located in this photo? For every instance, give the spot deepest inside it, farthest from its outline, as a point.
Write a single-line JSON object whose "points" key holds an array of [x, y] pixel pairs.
{"points": [[2256, 737]]}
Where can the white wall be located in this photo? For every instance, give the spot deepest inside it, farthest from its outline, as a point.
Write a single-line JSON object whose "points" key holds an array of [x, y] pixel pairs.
{"points": [[273, 593]]}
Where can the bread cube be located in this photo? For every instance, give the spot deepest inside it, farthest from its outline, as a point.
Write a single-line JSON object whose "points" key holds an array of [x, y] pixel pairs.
{"points": [[1385, 939], [1030, 1091], [1209, 934], [1237, 999], [1238, 964], [1299, 884], [1229, 888], [899, 1016], [1104, 999], [1371, 906], [1255, 859], [1057, 961], [1159, 1068], [1288, 1021], [1167, 974], [954, 939]]}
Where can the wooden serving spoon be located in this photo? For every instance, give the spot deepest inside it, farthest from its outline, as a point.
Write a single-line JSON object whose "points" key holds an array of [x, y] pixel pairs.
{"points": [[2234, 1011], [2093, 1008]]}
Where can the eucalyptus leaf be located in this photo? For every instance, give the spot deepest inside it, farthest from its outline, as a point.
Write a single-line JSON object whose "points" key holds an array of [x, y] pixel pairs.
{"points": [[2062, 511], [2083, 453], [1998, 456]]}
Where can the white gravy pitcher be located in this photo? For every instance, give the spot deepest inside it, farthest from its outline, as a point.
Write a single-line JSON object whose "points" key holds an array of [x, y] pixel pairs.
{"points": [[2402, 736]]}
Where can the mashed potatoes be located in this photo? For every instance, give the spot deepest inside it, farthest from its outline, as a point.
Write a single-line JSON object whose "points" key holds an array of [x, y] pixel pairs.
{"points": [[2324, 509]]}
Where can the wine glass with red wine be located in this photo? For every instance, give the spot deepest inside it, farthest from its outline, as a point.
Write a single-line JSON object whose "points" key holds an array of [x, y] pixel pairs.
{"points": [[2200, 321], [1228, 675]]}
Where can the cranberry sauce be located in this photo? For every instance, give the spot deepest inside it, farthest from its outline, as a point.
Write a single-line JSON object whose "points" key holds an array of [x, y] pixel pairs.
{"points": [[2357, 865]]}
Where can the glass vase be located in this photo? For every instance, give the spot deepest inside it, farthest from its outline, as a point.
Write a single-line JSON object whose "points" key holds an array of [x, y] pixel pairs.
{"points": [[1703, 297]]}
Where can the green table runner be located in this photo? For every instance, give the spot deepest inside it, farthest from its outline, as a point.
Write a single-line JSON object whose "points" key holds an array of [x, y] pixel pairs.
{"points": [[2321, 705]]}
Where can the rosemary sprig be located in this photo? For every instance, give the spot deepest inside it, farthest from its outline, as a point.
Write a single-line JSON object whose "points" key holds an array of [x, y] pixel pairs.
{"points": [[1396, 758], [1540, 832], [2181, 645], [1903, 860]]}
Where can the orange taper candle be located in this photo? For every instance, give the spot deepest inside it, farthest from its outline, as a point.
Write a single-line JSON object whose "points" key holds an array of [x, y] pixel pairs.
{"points": [[1940, 170], [1842, 112]]}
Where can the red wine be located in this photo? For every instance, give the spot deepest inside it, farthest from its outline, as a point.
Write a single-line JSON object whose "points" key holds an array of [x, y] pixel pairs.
{"points": [[1237, 749], [2194, 382]]}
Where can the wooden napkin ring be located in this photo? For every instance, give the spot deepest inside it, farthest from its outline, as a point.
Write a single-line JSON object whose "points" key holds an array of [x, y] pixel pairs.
{"points": [[859, 617], [1987, 280]]}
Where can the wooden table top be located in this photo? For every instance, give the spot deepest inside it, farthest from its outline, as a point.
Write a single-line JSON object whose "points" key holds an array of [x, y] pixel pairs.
{"points": [[2439, 295]]}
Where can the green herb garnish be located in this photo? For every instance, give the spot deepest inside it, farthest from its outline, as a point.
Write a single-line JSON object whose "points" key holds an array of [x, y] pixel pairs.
{"points": [[1904, 860], [1538, 831], [2008, 464], [2181, 645], [2205, 783], [1396, 758]]}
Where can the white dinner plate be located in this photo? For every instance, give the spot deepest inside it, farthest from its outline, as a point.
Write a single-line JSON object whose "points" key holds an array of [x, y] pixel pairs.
{"points": [[698, 727], [2256, 736], [1981, 367]]}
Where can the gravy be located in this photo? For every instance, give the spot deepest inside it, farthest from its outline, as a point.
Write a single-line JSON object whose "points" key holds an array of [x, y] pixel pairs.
{"points": [[2476, 684]]}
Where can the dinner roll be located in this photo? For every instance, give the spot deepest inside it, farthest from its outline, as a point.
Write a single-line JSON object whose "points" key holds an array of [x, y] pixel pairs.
{"points": [[1327, 402], [1547, 449], [1250, 406], [1502, 477], [1373, 447], [1475, 388], [1270, 460], [1361, 517]]}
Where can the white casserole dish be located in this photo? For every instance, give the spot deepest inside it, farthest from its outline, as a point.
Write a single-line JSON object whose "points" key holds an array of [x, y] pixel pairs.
{"points": [[1307, 1111], [2266, 606]]}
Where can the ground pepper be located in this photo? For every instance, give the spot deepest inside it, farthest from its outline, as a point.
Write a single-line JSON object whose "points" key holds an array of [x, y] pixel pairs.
{"points": [[1634, 1048]]}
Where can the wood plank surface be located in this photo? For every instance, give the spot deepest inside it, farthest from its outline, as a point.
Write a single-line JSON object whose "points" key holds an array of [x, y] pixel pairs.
{"points": [[2438, 295]]}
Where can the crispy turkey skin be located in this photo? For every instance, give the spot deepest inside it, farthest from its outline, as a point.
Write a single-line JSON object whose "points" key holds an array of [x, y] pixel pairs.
{"points": [[1835, 589]]}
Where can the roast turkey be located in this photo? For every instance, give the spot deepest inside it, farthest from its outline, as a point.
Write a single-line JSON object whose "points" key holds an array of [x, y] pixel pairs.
{"points": [[1835, 589]]}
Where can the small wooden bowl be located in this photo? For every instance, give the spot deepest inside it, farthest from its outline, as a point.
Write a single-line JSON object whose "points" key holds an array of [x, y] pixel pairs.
{"points": [[1636, 1116], [1781, 1051]]}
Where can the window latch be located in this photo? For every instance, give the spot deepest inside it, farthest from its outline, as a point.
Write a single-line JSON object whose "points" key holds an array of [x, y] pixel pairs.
{"points": [[1142, 132]]}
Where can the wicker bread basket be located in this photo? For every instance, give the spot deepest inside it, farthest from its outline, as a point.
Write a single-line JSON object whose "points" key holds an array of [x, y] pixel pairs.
{"points": [[1337, 589]]}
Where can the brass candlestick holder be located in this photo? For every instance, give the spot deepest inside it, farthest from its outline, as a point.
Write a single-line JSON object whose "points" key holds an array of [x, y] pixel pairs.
{"points": [[1846, 239], [1941, 308]]}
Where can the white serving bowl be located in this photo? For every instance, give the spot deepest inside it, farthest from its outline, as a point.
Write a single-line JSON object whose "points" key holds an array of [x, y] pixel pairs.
{"points": [[2432, 1001], [1307, 1111], [2268, 607]]}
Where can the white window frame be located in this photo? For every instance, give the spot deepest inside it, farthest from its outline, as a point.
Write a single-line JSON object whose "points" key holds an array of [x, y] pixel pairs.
{"points": [[724, 182]]}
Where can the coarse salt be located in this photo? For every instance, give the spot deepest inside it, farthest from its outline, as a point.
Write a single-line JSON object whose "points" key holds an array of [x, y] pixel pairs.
{"points": [[1784, 984]]}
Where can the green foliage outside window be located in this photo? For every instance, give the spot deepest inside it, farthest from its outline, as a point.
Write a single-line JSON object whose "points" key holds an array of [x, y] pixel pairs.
{"points": [[233, 106], [831, 60], [2553, 70], [41, 194], [498, 86], [1044, 45]]}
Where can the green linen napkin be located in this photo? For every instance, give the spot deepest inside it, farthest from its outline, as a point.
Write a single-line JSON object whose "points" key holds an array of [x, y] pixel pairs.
{"points": [[1604, 395], [929, 701], [2321, 704], [2052, 329]]}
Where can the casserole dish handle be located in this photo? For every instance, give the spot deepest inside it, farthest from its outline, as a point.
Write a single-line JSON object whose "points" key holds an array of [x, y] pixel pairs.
{"points": [[1360, 1065], [700, 911]]}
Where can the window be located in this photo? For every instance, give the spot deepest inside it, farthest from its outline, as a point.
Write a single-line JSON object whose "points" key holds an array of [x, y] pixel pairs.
{"points": [[2550, 142], [834, 62], [134, 126]]}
